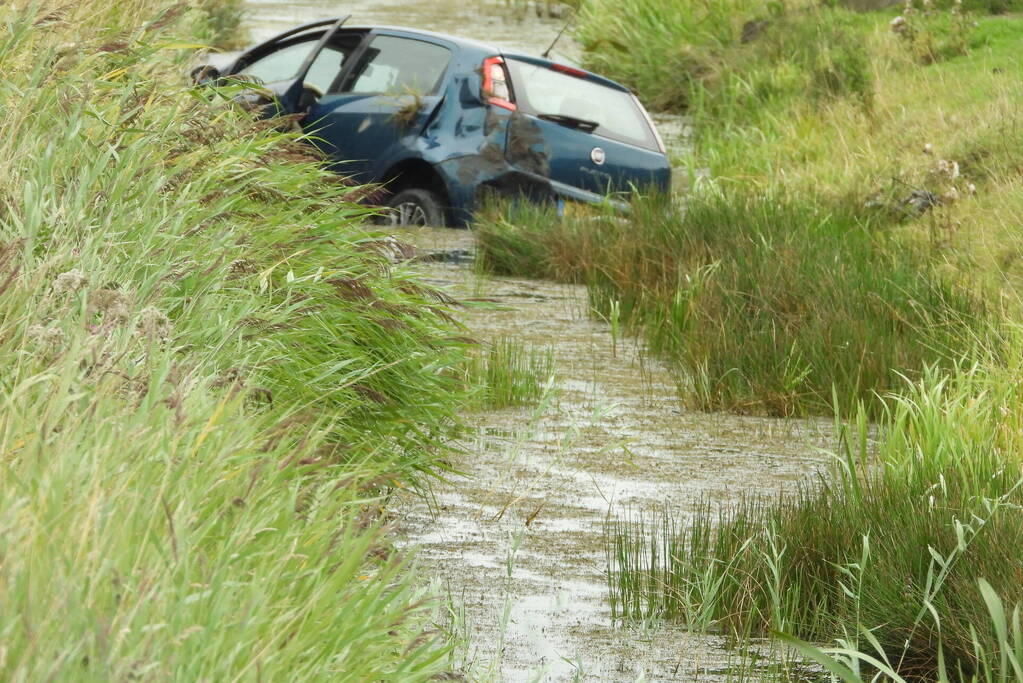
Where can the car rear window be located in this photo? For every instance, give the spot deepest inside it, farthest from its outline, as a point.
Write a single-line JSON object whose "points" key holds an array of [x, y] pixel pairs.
{"points": [[542, 90]]}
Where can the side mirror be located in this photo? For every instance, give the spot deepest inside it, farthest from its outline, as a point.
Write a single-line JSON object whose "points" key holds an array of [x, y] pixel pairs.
{"points": [[205, 74]]}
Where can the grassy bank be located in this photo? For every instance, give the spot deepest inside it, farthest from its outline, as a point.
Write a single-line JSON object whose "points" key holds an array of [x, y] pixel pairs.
{"points": [[854, 177], [917, 121], [211, 377], [853, 187], [763, 302], [886, 553]]}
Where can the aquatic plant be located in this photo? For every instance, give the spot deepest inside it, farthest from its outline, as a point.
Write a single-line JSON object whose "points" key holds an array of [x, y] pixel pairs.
{"points": [[883, 553], [506, 373]]}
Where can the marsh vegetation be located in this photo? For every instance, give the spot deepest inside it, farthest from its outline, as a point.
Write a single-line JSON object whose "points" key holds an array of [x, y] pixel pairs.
{"points": [[216, 379], [845, 246]]}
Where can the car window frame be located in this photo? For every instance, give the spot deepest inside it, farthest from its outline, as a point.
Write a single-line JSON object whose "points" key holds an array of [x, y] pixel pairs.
{"points": [[348, 74], [264, 50]]}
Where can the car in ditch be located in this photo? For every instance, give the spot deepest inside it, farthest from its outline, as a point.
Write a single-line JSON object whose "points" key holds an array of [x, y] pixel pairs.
{"points": [[441, 122]]}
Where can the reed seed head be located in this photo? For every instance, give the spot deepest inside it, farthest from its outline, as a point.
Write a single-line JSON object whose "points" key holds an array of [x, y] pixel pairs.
{"points": [[154, 324], [69, 283]]}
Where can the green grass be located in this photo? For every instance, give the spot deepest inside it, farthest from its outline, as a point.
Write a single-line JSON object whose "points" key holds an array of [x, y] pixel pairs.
{"points": [[824, 101], [221, 25], [509, 374], [211, 378], [813, 130], [893, 541], [763, 302]]}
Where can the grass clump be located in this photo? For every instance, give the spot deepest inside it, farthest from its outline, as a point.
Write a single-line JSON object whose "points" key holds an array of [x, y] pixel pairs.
{"points": [[508, 373], [764, 303], [726, 58], [211, 377], [885, 554]]}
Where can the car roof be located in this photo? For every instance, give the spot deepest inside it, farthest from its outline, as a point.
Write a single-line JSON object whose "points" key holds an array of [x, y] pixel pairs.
{"points": [[480, 46], [466, 42]]}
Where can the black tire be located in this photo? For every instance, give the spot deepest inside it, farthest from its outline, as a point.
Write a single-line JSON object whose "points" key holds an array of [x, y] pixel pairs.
{"points": [[414, 207]]}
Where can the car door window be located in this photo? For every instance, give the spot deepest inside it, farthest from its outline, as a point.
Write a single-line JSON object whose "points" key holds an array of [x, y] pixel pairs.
{"points": [[400, 66], [284, 63]]}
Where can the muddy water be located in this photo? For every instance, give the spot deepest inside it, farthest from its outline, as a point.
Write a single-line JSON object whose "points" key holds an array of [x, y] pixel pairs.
{"points": [[515, 543], [511, 24]]}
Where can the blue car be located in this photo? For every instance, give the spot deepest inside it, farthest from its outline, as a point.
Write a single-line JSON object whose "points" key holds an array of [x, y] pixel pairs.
{"points": [[440, 121]]}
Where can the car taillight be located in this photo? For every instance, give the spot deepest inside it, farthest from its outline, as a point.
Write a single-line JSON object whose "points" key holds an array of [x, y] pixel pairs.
{"points": [[496, 90]]}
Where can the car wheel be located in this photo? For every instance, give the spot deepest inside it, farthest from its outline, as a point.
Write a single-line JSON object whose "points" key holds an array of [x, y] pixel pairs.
{"points": [[414, 208]]}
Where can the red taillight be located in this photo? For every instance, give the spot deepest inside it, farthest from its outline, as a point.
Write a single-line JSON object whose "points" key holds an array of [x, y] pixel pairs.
{"points": [[496, 90]]}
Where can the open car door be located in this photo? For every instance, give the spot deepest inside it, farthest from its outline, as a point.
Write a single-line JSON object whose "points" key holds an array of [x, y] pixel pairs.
{"points": [[285, 74], [376, 113], [296, 96]]}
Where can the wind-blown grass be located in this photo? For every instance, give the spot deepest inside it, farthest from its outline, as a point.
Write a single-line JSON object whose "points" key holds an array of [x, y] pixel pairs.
{"points": [[210, 378]]}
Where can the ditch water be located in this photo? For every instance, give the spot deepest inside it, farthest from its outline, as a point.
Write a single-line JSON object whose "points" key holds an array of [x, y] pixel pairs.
{"points": [[515, 542]]}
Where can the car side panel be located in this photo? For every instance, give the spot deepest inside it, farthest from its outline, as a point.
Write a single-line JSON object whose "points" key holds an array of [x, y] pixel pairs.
{"points": [[463, 139]]}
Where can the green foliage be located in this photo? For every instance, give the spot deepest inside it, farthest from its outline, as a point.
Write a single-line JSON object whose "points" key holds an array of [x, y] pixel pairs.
{"points": [[765, 302], [883, 554], [933, 35], [986, 6], [221, 23], [741, 55], [211, 377], [526, 240]]}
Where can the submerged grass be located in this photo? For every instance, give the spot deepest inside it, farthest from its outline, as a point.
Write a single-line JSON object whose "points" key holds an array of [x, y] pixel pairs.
{"points": [[508, 373], [211, 377], [886, 553]]}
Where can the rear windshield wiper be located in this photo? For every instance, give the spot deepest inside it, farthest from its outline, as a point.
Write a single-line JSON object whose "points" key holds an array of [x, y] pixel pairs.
{"points": [[571, 122]]}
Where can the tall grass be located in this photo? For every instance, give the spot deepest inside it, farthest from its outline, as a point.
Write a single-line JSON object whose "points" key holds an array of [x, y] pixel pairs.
{"points": [[885, 553], [765, 303], [210, 378]]}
